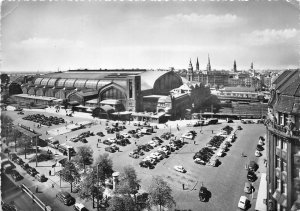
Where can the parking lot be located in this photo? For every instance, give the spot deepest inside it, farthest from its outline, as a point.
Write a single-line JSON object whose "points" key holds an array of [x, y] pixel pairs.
{"points": [[228, 177]]}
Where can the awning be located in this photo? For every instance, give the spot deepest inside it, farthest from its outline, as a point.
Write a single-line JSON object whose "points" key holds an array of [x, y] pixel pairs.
{"points": [[122, 113], [73, 103], [276, 195]]}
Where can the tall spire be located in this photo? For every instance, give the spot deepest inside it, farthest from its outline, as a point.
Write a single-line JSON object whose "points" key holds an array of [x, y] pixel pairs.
{"points": [[234, 66], [208, 68], [251, 67], [197, 65], [190, 66]]}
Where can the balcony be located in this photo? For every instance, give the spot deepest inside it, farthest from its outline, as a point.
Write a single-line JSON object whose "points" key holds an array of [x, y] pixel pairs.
{"points": [[282, 130]]}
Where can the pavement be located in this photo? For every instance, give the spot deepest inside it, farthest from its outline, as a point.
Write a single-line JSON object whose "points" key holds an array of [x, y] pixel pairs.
{"points": [[229, 177]]}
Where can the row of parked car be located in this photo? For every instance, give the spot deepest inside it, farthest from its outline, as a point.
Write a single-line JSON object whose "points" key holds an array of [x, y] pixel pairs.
{"points": [[160, 153], [30, 170], [82, 137], [44, 120]]}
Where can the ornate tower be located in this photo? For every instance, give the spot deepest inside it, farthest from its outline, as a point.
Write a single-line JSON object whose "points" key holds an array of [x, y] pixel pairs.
{"points": [[234, 66], [197, 65], [251, 67], [190, 71], [208, 68]]}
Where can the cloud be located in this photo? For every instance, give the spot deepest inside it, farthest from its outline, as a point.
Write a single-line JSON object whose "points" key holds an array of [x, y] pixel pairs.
{"points": [[271, 36], [209, 20], [46, 43]]}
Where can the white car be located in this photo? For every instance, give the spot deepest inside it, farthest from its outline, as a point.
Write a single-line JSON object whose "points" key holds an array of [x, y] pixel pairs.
{"points": [[260, 142], [79, 207], [180, 169], [243, 202], [199, 161], [188, 136], [220, 153], [112, 140], [152, 143], [126, 135], [257, 153], [157, 155]]}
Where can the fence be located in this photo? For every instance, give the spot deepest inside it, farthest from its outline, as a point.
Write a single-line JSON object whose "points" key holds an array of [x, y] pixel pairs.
{"points": [[35, 198]]}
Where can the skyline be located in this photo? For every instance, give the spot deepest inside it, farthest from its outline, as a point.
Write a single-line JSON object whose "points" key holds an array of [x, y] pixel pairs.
{"points": [[151, 35]]}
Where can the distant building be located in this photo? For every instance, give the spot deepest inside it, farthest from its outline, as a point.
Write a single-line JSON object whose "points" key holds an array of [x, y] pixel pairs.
{"points": [[283, 143]]}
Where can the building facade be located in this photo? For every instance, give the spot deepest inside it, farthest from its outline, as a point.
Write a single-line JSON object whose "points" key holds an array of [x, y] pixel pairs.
{"points": [[283, 143]]}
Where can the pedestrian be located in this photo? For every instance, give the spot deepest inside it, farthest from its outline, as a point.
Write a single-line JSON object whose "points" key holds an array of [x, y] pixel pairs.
{"points": [[194, 142], [52, 185], [212, 131], [182, 186], [49, 172], [36, 189]]}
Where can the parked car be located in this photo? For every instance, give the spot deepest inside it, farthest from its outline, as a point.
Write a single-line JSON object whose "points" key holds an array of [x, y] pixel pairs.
{"points": [[257, 153], [31, 171], [40, 177], [79, 207], [109, 149], [239, 128], [260, 142], [199, 161], [243, 202], [259, 148], [16, 175], [188, 136], [253, 166], [100, 134], [220, 153], [251, 176], [19, 161], [65, 198], [248, 187], [180, 169], [25, 166]]}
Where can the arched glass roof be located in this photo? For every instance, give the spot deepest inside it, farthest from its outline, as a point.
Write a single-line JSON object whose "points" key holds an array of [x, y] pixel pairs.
{"points": [[70, 82], [102, 83], [52, 81], [38, 81], [91, 84], [61, 82], [80, 83], [45, 81]]}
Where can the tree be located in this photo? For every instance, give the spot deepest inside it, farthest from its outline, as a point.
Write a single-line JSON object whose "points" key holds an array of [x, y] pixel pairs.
{"points": [[105, 167], [16, 135], [84, 156], [121, 203], [129, 183], [88, 187], [24, 142], [70, 173], [160, 193]]}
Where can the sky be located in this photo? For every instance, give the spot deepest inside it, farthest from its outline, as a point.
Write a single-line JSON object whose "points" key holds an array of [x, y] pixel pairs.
{"points": [[61, 35]]}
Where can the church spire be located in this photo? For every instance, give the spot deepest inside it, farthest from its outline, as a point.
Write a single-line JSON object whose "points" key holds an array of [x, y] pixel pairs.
{"points": [[234, 66], [208, 68], [251, 67], [197, 65], [190, 66]]}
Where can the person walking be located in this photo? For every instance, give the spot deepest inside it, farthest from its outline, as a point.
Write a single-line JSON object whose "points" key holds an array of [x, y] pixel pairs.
{"points": [[49, 172]]}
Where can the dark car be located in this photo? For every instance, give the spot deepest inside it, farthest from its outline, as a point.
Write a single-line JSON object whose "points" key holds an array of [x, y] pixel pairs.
{"points": [[109, 149], [16, 175], [203, 193], [239, 127], [100, 134], [31, 171], [25, 166], [13, 157], [251, 176], [65, 198], [19, 161], [259, 148]]}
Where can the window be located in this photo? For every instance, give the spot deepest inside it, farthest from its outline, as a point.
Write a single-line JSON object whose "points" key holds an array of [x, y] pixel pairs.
{"points": [[284, 166], [281, 118], [284, 188], [277, 164], [278, 184], [130, 88], [278, 143], [284, 145]]}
